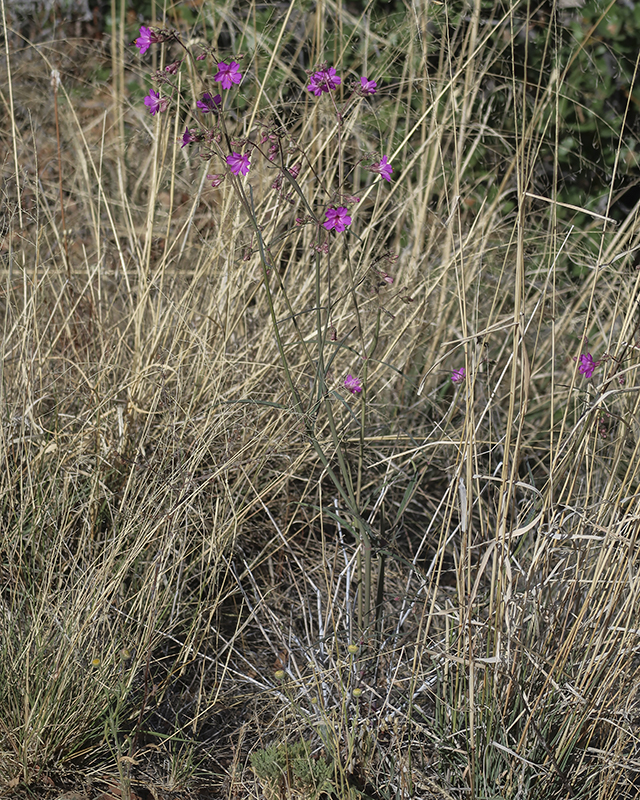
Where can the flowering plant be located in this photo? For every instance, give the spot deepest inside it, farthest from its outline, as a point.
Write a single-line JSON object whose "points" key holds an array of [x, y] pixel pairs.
{"points": [[268, 149]]}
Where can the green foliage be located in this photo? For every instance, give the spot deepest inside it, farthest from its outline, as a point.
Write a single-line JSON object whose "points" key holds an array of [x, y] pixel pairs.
{"points": [[573, 73], [291, 766]]}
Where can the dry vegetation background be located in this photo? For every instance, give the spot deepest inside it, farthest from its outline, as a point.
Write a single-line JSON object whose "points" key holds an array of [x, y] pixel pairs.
{"points": [[178, 575]]}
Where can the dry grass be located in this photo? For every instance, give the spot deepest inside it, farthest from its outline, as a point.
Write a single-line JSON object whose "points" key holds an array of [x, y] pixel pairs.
{"points": [[179, 576]]}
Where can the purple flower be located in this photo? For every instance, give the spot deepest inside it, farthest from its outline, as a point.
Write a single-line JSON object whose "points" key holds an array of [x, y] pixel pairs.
{"points": [[188, 137], [216, 180], [324, 80], [238, 163], [314, 88], [383, 168], [171, 69], [209, 103], [228, 74], [367, 86], [337, 218], [353, 384], [155, 103], [458, 375], [147, 37], [586, 365]]}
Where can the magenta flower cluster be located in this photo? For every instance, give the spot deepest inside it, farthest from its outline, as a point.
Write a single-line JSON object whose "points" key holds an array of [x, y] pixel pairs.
{"points": [[323, 80], [326, 79], [227, 75], [458, 375]]}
